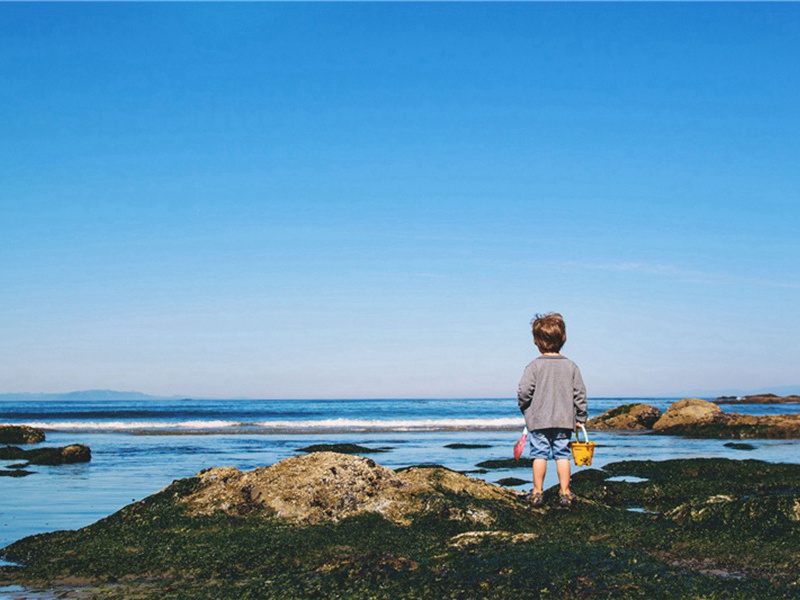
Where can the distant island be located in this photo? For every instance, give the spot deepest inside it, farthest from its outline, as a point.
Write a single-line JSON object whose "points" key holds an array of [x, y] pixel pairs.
{"points": [[83, 395]]}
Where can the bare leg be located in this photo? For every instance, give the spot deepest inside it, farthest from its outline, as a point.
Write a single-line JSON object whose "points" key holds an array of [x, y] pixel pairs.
{"points": [[539, 469], [563, 470]]}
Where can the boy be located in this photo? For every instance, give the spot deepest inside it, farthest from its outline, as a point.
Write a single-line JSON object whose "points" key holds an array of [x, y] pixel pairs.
{"points": [[552, 397]]}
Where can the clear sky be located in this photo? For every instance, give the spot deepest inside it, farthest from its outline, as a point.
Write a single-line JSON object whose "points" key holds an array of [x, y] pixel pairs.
{"points": [[373, 200]]}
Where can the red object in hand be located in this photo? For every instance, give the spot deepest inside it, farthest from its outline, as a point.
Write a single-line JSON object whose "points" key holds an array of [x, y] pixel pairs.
{"points": [[520, 445]]}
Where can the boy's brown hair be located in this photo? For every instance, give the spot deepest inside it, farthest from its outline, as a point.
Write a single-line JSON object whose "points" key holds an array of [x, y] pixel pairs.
{"points": [[549, 332]]}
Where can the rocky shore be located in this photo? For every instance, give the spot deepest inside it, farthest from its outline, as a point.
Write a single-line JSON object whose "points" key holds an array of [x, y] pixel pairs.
{"points": [[693, 417], [329, 525]]}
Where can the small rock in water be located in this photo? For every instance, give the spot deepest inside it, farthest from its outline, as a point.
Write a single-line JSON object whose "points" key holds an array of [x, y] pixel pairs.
{"points": [[342, 449], [740, 446], [510, 481], [459, 446]]}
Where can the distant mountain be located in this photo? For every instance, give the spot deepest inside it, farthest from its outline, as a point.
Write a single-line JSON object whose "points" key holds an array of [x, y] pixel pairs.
{"points": [[83, 395]]}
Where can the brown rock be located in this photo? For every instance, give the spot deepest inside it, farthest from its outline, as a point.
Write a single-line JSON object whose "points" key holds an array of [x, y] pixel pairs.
{"points": [[691, 411], [76, 453], [326, 486], [627, 416]]}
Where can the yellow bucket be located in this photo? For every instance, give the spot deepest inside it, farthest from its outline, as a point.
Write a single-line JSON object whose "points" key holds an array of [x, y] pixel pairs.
{"points": [[582, 452]]}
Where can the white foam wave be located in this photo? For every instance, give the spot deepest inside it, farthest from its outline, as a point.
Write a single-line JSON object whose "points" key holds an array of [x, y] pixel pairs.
{"points": [[130, 425], [395, 425], [343, 425]]}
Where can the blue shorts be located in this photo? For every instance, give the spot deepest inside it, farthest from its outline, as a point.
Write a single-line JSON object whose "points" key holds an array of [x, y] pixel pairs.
{"points": [[550, 443]]}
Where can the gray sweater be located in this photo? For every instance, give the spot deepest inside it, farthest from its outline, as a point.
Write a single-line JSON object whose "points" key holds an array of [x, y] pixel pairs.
{"points": [[551, 394]]}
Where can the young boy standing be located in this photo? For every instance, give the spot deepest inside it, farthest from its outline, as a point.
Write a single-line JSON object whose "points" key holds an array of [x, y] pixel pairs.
{"points": [[552, 397]]}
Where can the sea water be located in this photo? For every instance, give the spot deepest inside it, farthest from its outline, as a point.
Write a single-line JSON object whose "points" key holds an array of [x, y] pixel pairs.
{"points": [[141, 446]]}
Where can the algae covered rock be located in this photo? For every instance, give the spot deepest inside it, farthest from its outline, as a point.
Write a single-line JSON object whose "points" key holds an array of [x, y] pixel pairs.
{"points": [[627, 416], [20, 434], [326, 486], [74, 453]]}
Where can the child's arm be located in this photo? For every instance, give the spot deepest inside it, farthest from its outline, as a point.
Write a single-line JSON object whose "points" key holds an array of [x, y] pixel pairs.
{"points": [[579, 398], [525, 389]]}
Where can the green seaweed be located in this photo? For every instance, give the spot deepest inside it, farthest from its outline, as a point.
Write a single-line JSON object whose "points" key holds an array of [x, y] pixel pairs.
{"points": [[619, 410]]}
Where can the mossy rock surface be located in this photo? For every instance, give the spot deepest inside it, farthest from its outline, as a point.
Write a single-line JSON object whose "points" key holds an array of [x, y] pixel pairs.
{"points": [[626, 417], [705, 528], [20, 434], [74, 453]]}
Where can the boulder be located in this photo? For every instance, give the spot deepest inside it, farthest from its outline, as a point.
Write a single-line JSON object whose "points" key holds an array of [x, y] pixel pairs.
{"points": [[627, 416], [328, 486], [20, 434], [689, 412]]}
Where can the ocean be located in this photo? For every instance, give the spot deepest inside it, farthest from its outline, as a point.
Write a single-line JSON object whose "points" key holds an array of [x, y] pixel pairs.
{"points": [[141, 446]]}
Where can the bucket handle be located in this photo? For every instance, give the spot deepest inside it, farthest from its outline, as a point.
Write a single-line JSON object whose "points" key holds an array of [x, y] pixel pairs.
{"points": [[585, 435]]}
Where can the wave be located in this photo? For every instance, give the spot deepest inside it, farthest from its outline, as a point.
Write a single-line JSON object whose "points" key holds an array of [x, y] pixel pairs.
{"points": [[396, 424], [298, 426], [129, 425]]}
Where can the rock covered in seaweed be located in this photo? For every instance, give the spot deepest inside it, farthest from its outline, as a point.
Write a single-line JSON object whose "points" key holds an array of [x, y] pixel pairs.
{"points": [[74, 453], [628, 416], [327, 486], [20, 434]]}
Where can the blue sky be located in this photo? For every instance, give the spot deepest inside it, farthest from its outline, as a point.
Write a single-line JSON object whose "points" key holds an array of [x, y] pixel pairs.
{"points": [[373, 200]]}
